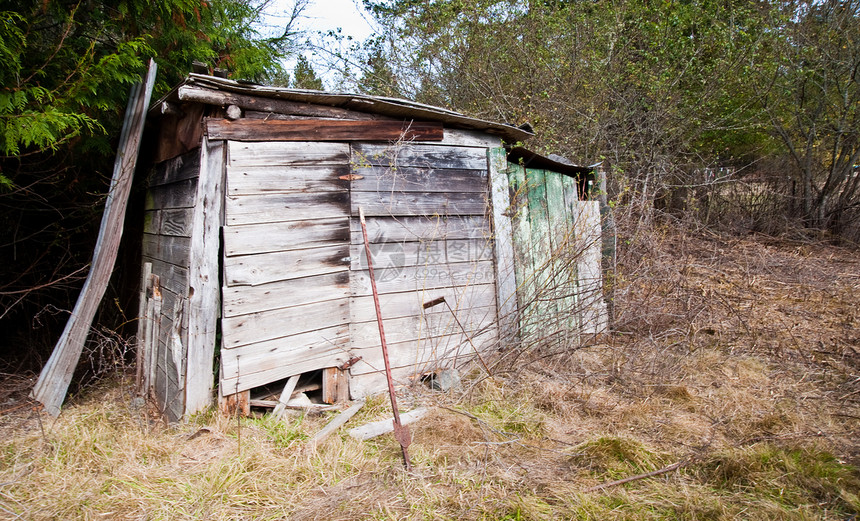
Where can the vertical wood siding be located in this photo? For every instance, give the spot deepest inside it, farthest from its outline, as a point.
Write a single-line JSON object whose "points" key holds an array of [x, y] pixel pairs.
{"points": [[557, 243], [167, 246]]}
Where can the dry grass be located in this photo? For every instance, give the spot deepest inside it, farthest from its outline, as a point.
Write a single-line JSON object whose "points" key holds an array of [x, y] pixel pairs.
{"points": [[738, 357]]}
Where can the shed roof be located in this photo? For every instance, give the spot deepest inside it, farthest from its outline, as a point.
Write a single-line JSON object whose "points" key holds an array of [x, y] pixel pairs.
{"points": [[392, 107], [558, 164]]}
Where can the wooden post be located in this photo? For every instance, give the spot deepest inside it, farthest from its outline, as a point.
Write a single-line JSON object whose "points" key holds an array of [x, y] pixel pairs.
{"points": [[204, 299], [153, 331], [56, 376], [239, 403], [335, 385], [142, 329], [506, 284]]}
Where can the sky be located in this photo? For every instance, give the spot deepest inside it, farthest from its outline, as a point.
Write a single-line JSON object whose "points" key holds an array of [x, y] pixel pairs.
{"points": [[323, 16]]}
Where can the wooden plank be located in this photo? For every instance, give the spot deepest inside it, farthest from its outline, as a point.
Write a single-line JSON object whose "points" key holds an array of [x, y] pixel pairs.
{"points": [[55, 377], [429, 325], [411, 303], [256, 114], [540, 249], [284, 236], [173, 222], [390, 229], [406, 179], [264, 104], [174, 250], [502, 206], [322, 130], [556, 211], [589, 273], [255, 209], [270, 267], [180, 168], [242, 300], [286, 394], [571, 302], [153, 311], [414, 278], [203, 274], [266, 153], [336, 423], [335, 385], [421, 253], [272, 360], [378, 428], [467, 138], [141, 356], [426, 354], [266, 325], [557, 240], [415, 203], [174, 195], [259, 179], [424, 156], [523, 259], [176, 222]]}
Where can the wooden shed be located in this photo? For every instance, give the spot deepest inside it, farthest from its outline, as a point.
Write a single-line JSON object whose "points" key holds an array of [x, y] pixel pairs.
{"points": [[253, 263]]}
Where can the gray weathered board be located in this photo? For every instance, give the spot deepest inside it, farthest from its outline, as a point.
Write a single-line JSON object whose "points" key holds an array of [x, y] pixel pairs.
{"points": [[54, 380], [167, 249]]}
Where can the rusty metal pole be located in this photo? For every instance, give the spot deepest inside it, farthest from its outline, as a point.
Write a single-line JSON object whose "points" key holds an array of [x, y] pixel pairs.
{"points": [[401, 432]]}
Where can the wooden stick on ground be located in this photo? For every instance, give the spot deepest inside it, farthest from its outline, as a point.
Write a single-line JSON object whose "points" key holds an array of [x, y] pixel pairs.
{"points": [[378, 428], [336, 422], [664, 470]]}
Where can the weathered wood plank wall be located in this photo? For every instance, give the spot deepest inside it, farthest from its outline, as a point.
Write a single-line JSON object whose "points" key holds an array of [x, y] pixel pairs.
{"points": [[286, 261], [167, 247], [429, 231], [296, 295]]}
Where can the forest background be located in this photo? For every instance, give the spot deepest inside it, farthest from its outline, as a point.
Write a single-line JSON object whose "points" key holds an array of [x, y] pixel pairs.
{"points": [[740, 115]]}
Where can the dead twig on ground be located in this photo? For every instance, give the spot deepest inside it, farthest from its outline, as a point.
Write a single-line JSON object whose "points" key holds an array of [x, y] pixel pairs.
{"points": [[664, 470]]}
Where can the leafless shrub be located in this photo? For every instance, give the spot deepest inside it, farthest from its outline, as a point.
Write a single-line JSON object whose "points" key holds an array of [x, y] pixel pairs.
{"points": [[106, 354]]}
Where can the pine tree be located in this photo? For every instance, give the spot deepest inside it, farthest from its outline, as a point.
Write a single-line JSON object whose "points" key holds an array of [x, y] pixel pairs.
{"points": [[304, 76], [65, 73]]}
